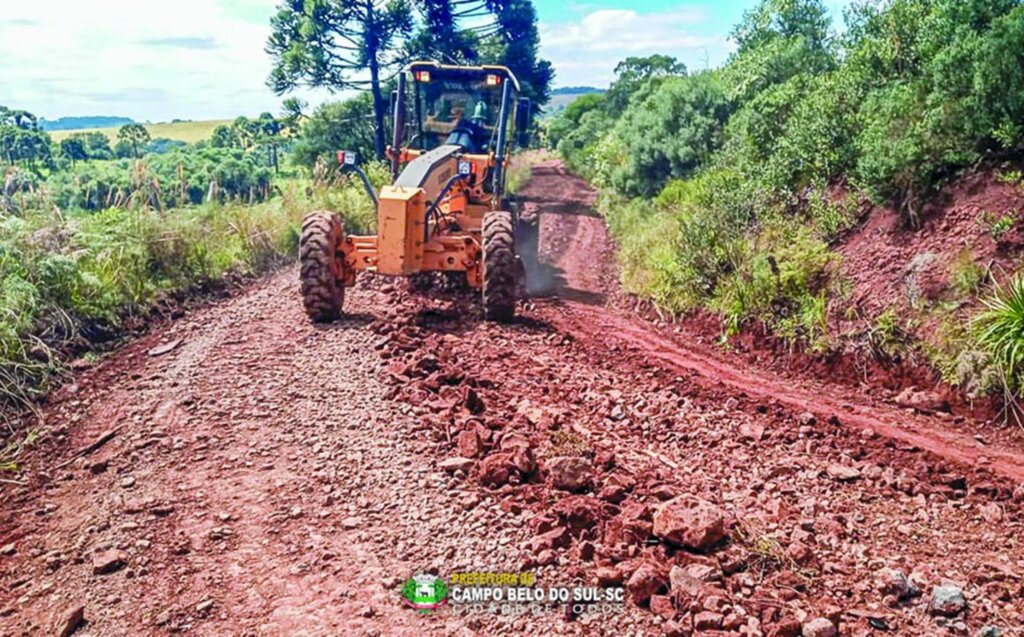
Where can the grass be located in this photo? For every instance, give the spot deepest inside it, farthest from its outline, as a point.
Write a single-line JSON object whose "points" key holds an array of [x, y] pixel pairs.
{"points": [[64, 274], [998, 225], [690, 248], [520, 169], [190, 132], [966, 276]]}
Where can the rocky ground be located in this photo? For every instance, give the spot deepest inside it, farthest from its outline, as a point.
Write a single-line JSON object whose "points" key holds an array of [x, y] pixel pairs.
{"points": [[243, 472]]}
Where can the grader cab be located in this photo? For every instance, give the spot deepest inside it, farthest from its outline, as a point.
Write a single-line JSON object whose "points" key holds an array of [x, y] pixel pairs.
{"points": [[446, 210]]}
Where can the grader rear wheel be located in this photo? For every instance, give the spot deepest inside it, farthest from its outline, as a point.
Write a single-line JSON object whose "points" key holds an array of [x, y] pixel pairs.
{"points": [[323, 289], [500, 267]]}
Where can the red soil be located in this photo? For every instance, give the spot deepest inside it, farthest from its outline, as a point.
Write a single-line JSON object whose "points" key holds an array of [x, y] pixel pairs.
{"points": [[268, 477]]}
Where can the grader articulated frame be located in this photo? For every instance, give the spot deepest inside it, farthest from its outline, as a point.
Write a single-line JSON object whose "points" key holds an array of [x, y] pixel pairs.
{"points": [[446, 209]]}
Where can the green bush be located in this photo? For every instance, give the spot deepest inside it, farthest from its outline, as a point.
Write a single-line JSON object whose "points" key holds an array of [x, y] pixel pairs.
{"points": [[580, 145], [783, 278], [178, 177], [671, 133], [336, 126]]}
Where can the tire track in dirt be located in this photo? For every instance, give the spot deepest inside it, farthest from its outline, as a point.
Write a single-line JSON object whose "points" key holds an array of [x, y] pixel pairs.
{"points": [[580, 271]]}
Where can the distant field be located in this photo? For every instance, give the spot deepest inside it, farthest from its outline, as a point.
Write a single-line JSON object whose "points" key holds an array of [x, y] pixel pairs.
{"points": [[560, 101], [190, 132]]}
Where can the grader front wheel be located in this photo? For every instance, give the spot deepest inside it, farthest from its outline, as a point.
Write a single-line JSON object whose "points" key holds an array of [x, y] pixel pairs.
{"points": [[323, 289], [499, 267]]}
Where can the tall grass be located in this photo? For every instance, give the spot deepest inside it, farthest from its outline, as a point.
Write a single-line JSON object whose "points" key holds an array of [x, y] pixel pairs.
{"points": [[520, 168], [64, 274], [1000, 333]]}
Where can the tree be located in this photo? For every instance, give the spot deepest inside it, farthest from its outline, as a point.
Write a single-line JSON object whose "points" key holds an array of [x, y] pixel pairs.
{"points": [[514, 41], [292, 114], [22, 140], [336, 126], [135, 136], [73, 148], [807, 20], [244, 131], [440, 37], [224, 137], [327, 43], [671, 133], [632, 72], [268, 134], [568, 120], [778, 40], [97, 145]]}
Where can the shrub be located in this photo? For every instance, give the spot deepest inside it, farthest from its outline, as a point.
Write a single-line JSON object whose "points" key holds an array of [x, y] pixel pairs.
{"points": [[723, 180], [336, 126], [671, 133], [782, 277], [1000, 331], [965, 275]]}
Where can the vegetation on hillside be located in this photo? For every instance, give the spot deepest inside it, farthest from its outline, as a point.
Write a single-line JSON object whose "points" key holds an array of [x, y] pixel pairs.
{"points": [[92, 232], [70, 276], [722, 186]]}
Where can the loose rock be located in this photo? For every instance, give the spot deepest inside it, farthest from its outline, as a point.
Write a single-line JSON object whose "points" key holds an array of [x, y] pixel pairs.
{"points": [[496, 469], [707, 620], [895, 583], [820, 627], [570, 473], [690, 522], [451, 465], [646, 581], [70, 621], [108, 562], [947, 600], [843, 473]]}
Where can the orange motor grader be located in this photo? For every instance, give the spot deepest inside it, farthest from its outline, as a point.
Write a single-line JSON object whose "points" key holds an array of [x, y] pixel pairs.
{"points": [[446, 209]]}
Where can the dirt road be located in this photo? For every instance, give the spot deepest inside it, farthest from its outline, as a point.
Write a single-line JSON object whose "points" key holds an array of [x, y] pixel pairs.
{"points": [[255, 475]]}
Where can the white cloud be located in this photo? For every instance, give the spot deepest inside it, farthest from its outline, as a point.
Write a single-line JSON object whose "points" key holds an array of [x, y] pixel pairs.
{"points": [[205, 59], [586, 52], [147, 60]]}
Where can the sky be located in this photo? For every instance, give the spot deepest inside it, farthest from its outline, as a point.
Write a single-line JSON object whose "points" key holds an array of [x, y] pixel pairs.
{"points": [[204, 59]]}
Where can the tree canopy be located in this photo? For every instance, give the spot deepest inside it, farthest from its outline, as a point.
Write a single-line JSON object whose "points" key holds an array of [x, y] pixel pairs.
{"points": [[361, 44], [330, 43], [22, 141], [135, 137]]}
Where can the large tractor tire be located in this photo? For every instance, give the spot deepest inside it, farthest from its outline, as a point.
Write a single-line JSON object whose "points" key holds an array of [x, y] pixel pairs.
{"points": [[500, 272], [323, 289]]}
